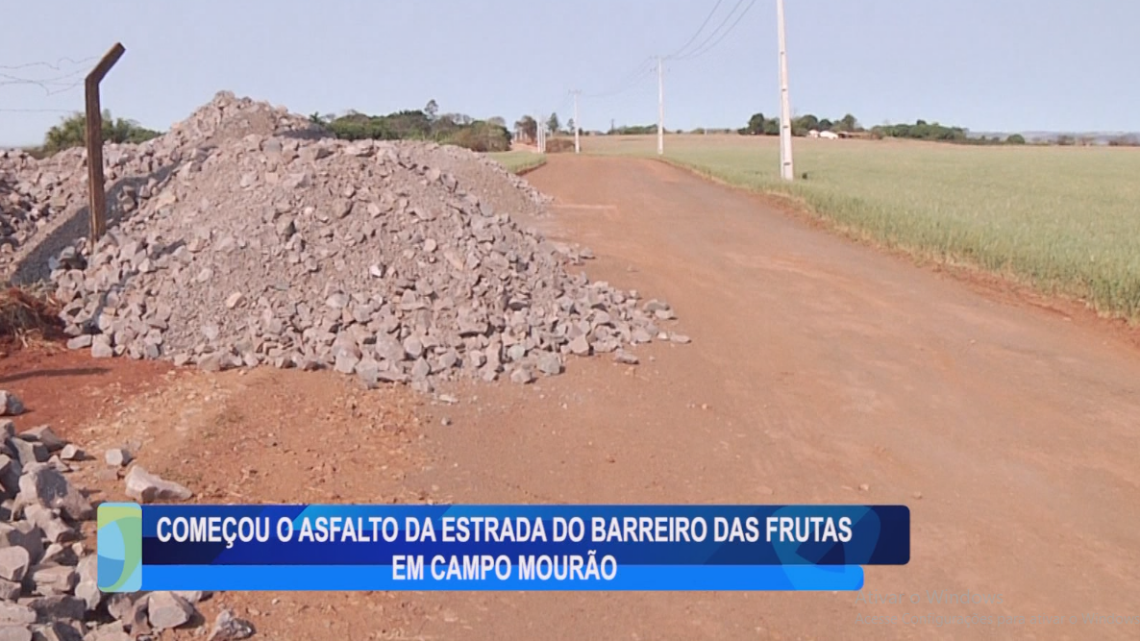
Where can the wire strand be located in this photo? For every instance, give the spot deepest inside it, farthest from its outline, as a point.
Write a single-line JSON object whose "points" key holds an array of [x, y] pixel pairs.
{"points": [[631, 81], [709, 43], [55, 67], [698, 32]]}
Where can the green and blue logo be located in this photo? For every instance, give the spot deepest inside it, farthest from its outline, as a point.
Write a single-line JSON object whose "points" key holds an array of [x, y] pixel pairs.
{"points": [[119, 547]]}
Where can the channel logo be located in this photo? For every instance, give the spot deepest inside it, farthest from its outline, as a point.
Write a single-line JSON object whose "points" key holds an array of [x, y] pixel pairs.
{"points": [[119, 547]]}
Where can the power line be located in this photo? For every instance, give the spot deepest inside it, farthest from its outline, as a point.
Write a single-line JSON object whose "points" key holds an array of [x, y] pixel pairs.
{"points": [[699, 30], [627, 82], [637, 82], [643, 72], [708, 42]]}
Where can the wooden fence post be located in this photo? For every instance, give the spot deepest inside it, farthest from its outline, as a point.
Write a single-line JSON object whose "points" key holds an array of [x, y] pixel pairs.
{"points": [[96, 190]]}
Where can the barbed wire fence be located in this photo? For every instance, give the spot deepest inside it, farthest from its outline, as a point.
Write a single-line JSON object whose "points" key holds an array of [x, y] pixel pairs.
{"points": [[37, 87]]}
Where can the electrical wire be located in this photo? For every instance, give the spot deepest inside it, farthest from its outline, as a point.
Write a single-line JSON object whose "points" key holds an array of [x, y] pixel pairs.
{"points": [[631, 81], [709, 43], [698, 32]]}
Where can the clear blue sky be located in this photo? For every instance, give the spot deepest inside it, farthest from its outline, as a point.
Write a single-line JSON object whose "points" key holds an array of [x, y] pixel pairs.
{"points": [[990, 65]]}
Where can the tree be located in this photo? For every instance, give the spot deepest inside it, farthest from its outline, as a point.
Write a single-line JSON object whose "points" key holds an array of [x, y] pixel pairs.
{"points": [[570, 125], [755, 125], [804, 124], [497, 121], [553, 124], [431, 109], [849, 123], [528, 127], [72, 132]]}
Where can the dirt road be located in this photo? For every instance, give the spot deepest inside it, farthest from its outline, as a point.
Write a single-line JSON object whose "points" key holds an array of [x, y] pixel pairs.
{"points": [[824, 367], [818, 368]]}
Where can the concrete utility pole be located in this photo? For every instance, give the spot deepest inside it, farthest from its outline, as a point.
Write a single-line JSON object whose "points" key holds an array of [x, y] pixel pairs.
{"points": [[577, 126], [786, 171], [660, 108]]}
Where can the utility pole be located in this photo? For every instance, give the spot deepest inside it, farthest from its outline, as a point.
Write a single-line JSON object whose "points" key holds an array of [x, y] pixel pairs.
{"points": [[660, 108], [786, 171], [577, 145]]}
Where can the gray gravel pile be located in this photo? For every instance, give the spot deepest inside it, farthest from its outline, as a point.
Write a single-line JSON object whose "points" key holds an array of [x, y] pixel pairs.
{"points": [[271, 248], [48, 576], [488, 180], [32, 193], [43, 203]]}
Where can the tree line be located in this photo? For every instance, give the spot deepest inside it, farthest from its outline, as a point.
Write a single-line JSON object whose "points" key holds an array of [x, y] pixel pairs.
{"points": [[420, 124], [759, 125]]}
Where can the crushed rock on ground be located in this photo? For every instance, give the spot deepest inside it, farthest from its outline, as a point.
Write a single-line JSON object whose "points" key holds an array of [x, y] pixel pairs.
{"points": [[49, 576]]}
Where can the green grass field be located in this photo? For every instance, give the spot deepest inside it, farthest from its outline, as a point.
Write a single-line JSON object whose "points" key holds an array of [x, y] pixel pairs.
{"points": [[1064, 219], [516, 161]]}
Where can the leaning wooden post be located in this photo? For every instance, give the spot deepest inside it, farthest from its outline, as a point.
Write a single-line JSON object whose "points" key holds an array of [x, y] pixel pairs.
{"points": [[97, 194]]}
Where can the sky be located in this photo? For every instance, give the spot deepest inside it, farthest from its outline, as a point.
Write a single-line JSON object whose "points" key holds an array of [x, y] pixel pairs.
{"points": [[989, 65]]}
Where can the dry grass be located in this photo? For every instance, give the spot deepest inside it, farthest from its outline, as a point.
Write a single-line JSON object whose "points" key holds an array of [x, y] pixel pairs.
{"points": [[26, 319], [1061, 219]]}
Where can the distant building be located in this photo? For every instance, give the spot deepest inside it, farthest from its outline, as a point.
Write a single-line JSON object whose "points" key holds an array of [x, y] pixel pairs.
{"points": [[830, 135], [813, 134]]}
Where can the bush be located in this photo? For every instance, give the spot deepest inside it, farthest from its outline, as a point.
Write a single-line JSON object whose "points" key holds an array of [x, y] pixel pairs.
{"points": [[72, 132], [559, 145], [1015, 139], [481, 136]]}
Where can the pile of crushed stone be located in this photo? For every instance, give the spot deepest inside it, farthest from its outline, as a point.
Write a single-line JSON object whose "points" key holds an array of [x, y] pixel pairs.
{"points": [[254, 240]]}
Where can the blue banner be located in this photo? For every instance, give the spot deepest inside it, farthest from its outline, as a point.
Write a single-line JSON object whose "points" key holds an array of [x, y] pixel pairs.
{"points": [[500, 547]]}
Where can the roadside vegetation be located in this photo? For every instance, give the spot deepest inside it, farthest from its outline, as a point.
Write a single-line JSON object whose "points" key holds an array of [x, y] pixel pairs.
{"points": [[1061, 219], [72, 132], [519, 161], [489, 135]]}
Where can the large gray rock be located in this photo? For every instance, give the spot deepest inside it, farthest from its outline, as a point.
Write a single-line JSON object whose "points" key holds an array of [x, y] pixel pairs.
{"points": [[54, 529], [148, 488], [10, 590], [10, 471], [10, 404], [14, 563], [16, 614], [23, 534], [87, 587], [117, 457], [42, 484], [227, 627], [53, 580], [44, 434], [166, 610], [28, 452], [56, 608]]}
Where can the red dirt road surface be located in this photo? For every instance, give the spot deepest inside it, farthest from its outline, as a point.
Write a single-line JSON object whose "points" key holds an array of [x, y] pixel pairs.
{"points": [[820, 371]]}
